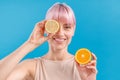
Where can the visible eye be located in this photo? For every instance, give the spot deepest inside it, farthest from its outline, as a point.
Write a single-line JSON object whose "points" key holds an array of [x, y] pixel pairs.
{"points": [[67, 27]]}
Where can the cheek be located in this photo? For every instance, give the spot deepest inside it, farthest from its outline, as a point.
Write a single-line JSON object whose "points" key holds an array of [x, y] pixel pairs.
{"points": [[69, 37], [70, 34]]}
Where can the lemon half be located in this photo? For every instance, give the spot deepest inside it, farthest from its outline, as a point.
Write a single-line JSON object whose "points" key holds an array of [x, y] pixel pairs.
{"points": [[51, 26]]}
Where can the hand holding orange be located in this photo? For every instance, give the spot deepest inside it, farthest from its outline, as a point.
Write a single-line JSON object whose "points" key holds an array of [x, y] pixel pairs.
{"points": [[83, 56]]}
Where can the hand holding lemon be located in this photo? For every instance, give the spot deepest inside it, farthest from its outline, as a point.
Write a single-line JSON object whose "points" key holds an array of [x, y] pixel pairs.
{"points": [[37, 36]]}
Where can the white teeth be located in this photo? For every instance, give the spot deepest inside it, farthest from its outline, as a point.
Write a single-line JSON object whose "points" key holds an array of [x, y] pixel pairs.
{"points": [[58, 39]]}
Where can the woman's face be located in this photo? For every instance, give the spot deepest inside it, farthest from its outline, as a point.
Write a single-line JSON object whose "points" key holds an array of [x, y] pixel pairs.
{"points": [[63, 37]]}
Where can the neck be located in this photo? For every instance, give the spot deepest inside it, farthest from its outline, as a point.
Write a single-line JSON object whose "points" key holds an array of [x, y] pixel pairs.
{"points": [[57, 55]]}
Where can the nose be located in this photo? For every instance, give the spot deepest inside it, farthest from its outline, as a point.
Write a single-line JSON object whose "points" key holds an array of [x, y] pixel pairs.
{"points": [[60, 31]]}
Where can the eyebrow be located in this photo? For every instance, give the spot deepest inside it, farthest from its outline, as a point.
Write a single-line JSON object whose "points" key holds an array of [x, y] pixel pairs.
{"points": [[68, 24]]}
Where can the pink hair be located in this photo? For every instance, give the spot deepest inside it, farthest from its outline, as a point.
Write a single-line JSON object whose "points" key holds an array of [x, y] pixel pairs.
{"points": [[60, 10]]}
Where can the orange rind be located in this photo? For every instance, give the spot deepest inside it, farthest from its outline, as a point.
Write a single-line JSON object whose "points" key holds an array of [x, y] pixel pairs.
{"points": [[83, 56]]}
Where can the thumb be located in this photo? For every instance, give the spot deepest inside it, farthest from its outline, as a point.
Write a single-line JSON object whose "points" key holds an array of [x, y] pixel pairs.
{"points": [[49, 36]]}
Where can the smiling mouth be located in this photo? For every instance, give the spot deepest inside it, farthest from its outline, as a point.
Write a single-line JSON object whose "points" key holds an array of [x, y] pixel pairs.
{"points": [[59, 39]]}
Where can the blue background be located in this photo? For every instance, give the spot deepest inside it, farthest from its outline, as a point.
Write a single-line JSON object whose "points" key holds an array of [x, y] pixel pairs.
{"points": [[98, 29]]}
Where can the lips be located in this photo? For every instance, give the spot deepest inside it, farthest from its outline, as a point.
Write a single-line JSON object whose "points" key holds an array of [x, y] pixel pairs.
{"points": [[59, 39]]}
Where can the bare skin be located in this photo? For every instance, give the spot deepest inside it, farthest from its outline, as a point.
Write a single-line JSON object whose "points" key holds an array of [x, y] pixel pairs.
{"points": [[26, 69], [89, 70], [8, 63]]}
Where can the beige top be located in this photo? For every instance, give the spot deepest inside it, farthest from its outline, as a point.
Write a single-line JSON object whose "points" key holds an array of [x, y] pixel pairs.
{"points": [[56, 70]]}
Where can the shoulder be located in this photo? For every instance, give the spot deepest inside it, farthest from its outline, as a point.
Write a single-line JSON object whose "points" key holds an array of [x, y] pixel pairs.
{"points": [[27, 63], [23, 70]]}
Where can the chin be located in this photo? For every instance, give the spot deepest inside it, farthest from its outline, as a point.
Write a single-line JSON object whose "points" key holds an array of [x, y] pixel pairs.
{"points": [[59, 47]]}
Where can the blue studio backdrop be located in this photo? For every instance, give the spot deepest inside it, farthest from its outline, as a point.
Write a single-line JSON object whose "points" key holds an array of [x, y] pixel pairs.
{"points": [[97, 28]]}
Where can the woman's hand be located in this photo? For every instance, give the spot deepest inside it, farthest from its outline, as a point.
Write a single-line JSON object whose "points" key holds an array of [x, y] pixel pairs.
{"points": [[88, 71], [37, 36]]}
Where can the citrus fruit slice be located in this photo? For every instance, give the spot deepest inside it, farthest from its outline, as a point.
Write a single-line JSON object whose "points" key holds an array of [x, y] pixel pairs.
{"points": [[51, 26], [83, 56]]}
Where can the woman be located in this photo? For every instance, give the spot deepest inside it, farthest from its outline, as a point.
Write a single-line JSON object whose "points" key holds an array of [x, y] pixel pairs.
{"points": [[57, 63]]}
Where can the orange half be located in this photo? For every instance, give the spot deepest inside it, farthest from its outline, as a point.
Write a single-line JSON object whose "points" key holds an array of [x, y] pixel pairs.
{"points": [[51, 26], [83, 56]]}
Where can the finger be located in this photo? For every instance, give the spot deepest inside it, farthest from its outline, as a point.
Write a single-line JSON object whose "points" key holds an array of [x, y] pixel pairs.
{"points": [[50, 35], [94, 56], [92, 62], [40, 27], [43, 22], [38, 32], [79, 65], [93, 68], [40, 24]]}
